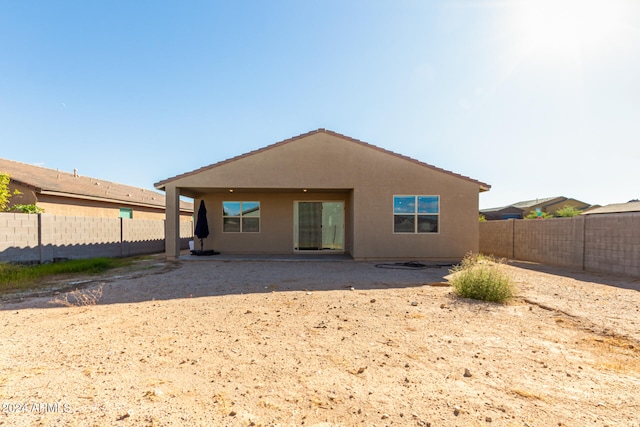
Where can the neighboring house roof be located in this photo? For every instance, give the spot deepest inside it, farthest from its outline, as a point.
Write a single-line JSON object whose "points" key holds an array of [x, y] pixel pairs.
{"points": [[161, 185], [501, 208], [537, 202], [615, 208], [53, 182], [528, 204]]}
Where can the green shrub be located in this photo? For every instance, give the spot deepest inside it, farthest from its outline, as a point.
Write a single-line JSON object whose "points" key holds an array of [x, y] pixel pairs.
{"points": [[29, 209], [534, 215], [480, 277], [568, 211]]}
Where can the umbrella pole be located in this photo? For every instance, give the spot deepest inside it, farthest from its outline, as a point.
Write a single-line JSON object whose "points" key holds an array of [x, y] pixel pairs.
{"points": [[201, 245]]}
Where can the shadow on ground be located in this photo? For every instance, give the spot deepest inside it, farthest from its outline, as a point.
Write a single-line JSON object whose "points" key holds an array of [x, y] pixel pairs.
{"points": [[183, 279], [618, 281]]}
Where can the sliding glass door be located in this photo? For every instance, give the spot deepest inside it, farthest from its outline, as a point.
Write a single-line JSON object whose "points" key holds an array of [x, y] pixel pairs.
{"points": [[318, 226], [309, 226]]}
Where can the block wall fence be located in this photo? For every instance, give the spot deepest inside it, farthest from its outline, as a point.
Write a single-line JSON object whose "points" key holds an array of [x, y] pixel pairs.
{"points": [[33, 238], [607, 243]]}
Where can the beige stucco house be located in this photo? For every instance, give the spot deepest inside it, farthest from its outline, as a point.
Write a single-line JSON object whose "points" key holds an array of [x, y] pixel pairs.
{"points": [[323, 192], [72, 194]]}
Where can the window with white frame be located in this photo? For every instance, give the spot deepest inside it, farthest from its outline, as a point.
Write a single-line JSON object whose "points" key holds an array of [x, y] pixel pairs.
{"points": [[416, 214], [241, 217]]}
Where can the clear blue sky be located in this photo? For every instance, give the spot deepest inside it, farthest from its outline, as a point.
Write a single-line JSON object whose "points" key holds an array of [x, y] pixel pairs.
{"points": [[537, 99]]}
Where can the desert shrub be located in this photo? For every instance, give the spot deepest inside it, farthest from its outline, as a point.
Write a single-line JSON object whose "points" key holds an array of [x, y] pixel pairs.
{"points": [[480, 277], [79, 297]]}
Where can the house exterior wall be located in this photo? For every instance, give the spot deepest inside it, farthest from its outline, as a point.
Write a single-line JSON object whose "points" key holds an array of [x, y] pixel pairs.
{"points": [[324, 162], [276, 221]]}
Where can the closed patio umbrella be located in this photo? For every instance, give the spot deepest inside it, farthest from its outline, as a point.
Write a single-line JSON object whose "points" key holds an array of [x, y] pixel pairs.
{"points": [[202, 226]]}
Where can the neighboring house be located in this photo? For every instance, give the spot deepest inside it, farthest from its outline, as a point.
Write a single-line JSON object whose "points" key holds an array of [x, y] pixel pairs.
{"points": [[505, 212], [520, 210], [616, 208], [70, 194], [323, 192]]}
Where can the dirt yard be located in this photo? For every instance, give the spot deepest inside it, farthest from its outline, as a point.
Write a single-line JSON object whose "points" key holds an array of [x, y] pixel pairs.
{"points": [[212, 343]]}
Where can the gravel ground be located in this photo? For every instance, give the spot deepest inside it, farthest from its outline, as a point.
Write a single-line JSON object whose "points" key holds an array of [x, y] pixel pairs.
{"points": [[238, 343]]}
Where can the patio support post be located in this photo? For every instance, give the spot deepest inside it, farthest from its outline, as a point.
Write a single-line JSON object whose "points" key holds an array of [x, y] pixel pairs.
{"points": [[172, 223]]}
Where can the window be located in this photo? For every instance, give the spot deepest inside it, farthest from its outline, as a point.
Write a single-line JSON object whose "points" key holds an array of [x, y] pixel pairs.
{"points": [[416, 214], [126, 213], [241, 217]]}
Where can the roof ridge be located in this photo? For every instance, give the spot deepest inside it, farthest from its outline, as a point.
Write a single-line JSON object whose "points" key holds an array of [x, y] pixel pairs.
{"points": [[74, 174]]}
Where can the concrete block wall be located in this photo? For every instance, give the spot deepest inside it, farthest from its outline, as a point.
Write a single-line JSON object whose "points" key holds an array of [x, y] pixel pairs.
{"points": [[613, 243], [19, 237], [608, 243], [142, 236], [43, 237], [556, 241], [496, 237], [80, 237], [186, 233]]}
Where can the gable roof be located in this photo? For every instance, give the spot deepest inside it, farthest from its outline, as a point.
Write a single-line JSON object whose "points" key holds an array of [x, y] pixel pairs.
{"points": [[64, 184], [161, 185], [530, 203]]}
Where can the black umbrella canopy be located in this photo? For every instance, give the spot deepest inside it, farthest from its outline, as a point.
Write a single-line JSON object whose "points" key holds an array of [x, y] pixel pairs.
{"points": [[202, 226]]}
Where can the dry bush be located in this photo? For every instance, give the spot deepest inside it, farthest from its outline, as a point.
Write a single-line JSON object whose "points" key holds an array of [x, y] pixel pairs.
{"points": [[80, 297], [480, 277]]}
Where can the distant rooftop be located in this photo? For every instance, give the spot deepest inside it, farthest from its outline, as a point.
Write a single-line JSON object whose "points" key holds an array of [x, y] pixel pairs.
{"points": [[530, 203], [615, 208], [65, 184]]}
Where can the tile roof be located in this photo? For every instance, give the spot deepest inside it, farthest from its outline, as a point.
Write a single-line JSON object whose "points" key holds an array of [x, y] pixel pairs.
{"points": [[161, 184], [64, 184]]}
